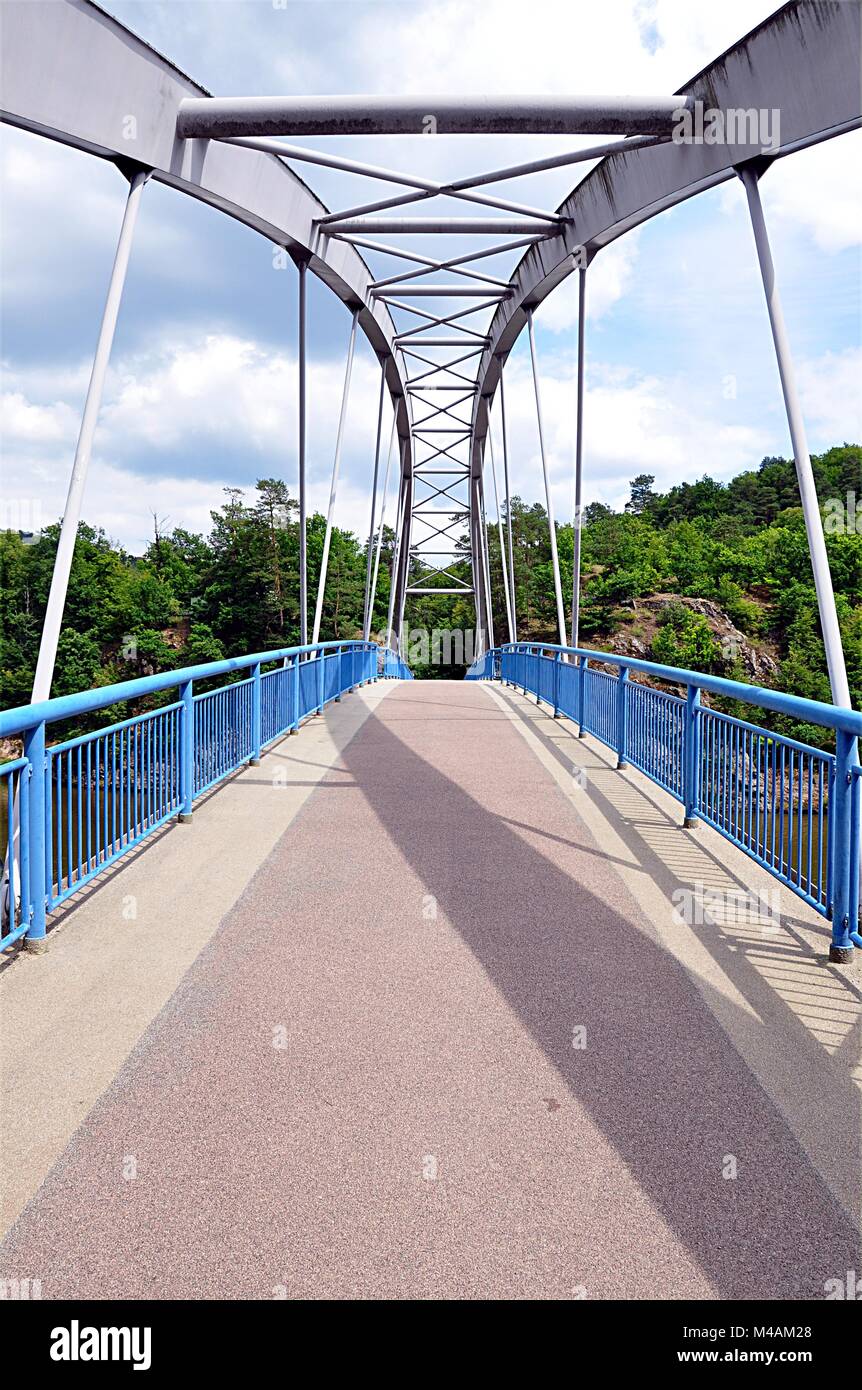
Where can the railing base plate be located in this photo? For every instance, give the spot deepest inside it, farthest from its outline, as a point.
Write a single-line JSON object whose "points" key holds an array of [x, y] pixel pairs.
{"points": [[841, 955]]}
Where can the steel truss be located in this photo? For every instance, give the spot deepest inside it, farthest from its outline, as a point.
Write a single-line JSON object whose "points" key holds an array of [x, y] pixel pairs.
{"points": [[443, 495], [442, 342]]}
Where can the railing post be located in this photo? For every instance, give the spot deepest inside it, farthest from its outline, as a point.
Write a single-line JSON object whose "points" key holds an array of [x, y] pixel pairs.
{"points": [[558, 656], [294, 728], [187, 751], [843, 865], [34, 752], [320, 681], [622, 717], [691, 756], [583, 667], [256, 722]]}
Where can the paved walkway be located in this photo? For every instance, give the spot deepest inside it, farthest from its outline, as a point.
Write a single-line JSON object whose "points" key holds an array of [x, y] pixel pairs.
{"points": [[448, 1041]]}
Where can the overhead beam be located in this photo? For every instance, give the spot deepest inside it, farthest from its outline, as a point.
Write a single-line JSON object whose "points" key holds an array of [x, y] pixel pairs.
{"points": [[442, 226], [217, 117], [447, 291]]}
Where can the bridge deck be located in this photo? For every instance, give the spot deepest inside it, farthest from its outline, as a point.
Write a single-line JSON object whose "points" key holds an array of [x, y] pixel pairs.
{"points": [[419, 900]]}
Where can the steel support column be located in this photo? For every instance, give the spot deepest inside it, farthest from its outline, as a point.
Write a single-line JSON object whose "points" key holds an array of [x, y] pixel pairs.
{"points": [[552, 529], [486, 564], [379, 542], [324, 562], [508, 508], [404, 563], [500, 535], [579, 443], [303, 501], [366, 616], [396, 551], [804, 473], [479, 593], [80, 467]]}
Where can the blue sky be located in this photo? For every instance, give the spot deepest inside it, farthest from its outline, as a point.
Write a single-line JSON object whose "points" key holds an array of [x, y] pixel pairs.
{"points": [[681, 376]]}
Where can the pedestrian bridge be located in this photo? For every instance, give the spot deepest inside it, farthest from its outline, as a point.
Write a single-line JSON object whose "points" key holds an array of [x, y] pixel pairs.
{"points": [[433, 1000]]}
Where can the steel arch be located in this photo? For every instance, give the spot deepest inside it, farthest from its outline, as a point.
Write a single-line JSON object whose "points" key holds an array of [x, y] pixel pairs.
{"points": [[804, 60], [113, 96]]}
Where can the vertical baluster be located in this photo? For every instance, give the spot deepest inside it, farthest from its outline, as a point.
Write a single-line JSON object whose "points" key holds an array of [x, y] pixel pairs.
{"points": [[79, 814], [821, 807], [32, 839], [845, 864], [772, 800], [256, 714], [799, 818], [758, 796], [57, 762], [810, 770], [782, 829], [583, 666], [764, 799], [792, 818]]}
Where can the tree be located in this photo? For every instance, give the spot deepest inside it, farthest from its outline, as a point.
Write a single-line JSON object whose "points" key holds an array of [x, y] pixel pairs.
{"points": [[642, 495], [684, 639]]}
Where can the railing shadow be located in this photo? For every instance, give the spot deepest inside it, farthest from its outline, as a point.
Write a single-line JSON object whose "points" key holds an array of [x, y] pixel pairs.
{"points": [[660, 1077]]}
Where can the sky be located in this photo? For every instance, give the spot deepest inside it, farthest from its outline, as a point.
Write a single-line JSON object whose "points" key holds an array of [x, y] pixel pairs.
{"points": [[201, 393]]}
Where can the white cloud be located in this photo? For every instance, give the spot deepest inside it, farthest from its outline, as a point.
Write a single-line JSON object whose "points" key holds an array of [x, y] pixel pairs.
{"points": [[609, 277], [633, 423], [225, 402], [27, 423], [831, 392]]}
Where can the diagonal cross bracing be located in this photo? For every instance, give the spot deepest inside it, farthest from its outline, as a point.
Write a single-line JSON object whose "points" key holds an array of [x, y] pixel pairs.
{"points": [[448, 341]]}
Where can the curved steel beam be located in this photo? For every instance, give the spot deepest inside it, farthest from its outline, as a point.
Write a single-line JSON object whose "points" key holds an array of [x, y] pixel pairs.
{"points": [[803, 62], [74, 74]]}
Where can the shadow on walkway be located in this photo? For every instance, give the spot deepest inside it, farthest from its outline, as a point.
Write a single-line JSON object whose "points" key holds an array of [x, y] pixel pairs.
{"points": [[658, 1076]]}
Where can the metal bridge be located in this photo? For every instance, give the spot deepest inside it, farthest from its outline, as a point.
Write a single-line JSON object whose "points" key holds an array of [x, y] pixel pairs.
{"points": [[540, 984]]}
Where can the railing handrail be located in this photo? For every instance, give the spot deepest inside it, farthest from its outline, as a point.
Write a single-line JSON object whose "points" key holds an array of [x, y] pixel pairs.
{"points": [[25, 717], [721, 769], [808, 711]]}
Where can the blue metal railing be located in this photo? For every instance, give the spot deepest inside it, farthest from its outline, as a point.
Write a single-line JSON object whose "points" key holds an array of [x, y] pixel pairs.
{"points": [[76, 806], [793, 808], [392, 667]]}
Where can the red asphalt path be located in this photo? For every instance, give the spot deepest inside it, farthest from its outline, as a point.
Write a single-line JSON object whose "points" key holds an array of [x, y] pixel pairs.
{"points": [[429, 1130]]}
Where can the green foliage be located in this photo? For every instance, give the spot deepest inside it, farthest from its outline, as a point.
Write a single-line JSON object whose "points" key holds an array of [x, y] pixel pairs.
{"points": [[79, 663], [743, 612], [684, 639], [186, 601], [190, 599]]}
